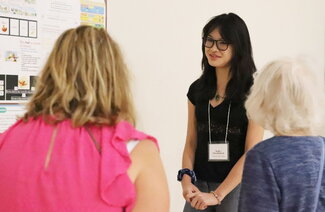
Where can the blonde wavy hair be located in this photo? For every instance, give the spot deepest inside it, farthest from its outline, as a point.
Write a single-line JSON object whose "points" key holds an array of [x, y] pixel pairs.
{"points": [[286, 99], [84, 79]]}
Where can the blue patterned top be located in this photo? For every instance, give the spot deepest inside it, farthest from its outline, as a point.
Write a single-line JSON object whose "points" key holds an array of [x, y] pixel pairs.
{"points": [[281, 174]]}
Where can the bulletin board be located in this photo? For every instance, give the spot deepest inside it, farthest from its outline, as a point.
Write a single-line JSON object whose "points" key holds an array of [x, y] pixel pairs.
{"points": [[28, 30]]}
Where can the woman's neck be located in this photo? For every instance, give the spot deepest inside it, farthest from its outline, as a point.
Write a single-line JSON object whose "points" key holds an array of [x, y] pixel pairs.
{"points": [[222, 75]]}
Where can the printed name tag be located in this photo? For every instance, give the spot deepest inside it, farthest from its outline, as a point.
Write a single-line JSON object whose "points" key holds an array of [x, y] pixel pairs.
{"points": [[219, 152]]}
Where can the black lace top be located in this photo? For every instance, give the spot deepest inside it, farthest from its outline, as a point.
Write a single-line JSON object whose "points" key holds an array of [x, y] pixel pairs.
{"points": [[217, 171]]}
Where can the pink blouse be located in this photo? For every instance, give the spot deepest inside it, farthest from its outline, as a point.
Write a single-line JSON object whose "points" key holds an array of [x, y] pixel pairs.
{"points": [[77, 177]]}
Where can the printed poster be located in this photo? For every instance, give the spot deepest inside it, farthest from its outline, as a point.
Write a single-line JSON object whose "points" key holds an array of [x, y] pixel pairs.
{"points": [[28, 30]]}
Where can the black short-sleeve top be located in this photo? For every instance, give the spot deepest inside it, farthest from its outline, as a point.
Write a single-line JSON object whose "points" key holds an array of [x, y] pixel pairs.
{"points": [[217, 171]]}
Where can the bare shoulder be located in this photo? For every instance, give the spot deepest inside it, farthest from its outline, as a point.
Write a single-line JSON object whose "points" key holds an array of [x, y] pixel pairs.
{"points": [[147, 146], [148, 175], [145, 154]]}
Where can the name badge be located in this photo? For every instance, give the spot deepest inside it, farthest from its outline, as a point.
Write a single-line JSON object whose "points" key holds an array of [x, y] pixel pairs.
{"points": [[219, 152]]}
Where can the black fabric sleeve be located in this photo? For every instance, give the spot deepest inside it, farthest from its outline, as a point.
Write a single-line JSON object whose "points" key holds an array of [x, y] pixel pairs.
{"points": [[191, 94]]}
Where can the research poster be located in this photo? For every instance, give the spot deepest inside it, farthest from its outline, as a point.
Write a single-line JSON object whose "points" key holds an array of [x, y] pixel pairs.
{"points": [[28, 30]]}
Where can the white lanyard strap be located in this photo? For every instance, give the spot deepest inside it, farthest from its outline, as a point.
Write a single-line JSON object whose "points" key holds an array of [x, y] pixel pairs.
{"points": [[227, 126]]}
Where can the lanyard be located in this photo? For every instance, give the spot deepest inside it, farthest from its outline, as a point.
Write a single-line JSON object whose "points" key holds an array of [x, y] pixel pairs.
{"points": [[226, 125]]}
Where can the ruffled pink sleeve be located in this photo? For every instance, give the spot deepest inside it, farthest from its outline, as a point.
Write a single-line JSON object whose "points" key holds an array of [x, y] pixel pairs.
{"points": [[115, 186]]}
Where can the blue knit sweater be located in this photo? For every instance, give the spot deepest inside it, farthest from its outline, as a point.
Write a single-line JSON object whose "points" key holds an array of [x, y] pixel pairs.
{"points": [[281, 174]]}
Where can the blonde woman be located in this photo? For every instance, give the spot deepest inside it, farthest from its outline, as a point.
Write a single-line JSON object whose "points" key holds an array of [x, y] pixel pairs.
{"points": [[286, 172], [76, 148]]}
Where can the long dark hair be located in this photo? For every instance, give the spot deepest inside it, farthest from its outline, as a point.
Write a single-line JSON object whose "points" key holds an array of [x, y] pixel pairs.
{"points": [[234, 31]]}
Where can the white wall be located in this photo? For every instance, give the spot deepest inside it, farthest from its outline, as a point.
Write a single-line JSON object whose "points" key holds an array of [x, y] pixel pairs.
{"points": [[161, 41]]}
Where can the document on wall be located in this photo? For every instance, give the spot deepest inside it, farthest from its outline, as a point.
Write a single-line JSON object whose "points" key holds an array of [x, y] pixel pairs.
{"points": [[93, 13], [28, 30], [55, 17], [9, 113], [20, 58]]}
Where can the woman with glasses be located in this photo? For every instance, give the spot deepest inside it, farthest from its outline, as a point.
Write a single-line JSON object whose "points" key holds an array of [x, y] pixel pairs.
{"points": [[218, 132]]}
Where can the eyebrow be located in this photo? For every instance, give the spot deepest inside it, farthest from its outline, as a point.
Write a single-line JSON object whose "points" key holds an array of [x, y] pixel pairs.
{"points": [[209, 36]]}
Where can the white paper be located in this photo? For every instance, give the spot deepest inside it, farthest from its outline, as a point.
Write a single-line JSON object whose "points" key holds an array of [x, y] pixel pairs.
{"points": [[9, 115]]}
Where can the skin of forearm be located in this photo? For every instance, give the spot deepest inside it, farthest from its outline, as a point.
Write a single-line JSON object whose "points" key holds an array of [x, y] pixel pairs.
{"points": [[233, 178], [188, 160], [254, 135], [189, 154]]}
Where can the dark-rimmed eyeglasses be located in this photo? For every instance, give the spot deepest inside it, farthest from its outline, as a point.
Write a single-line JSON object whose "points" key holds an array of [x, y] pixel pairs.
{"points": [[221, 44]]}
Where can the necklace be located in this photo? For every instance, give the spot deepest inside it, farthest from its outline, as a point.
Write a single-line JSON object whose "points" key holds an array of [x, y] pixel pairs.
{"points": [[217, 97]]}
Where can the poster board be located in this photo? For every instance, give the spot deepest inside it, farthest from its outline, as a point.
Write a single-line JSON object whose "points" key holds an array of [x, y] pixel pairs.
{"points": [[28, 30]]}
